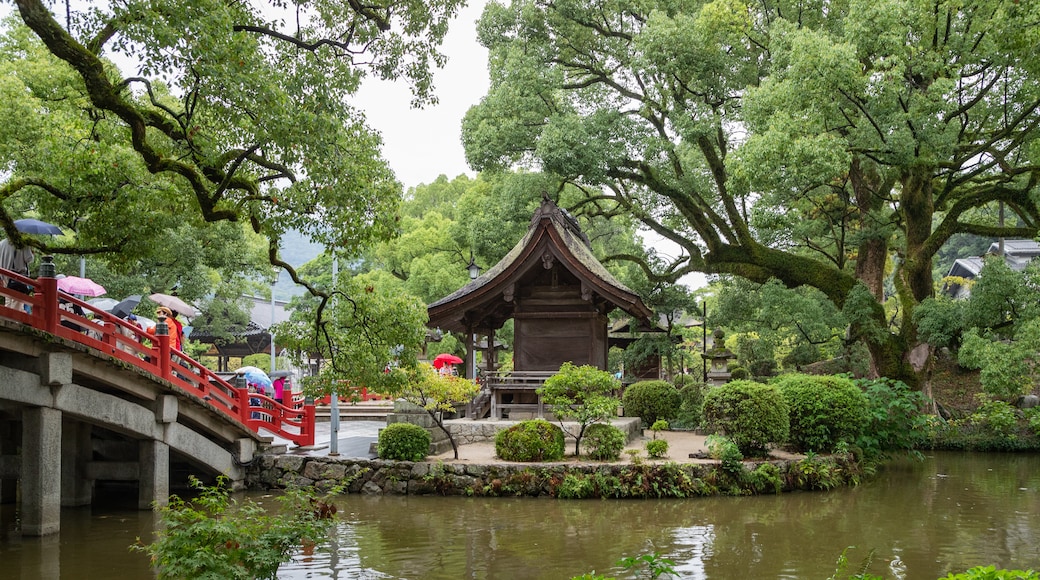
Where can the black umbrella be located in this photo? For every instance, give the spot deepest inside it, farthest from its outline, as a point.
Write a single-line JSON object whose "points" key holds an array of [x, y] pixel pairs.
{"points": [[126, 306], [35, 226]]}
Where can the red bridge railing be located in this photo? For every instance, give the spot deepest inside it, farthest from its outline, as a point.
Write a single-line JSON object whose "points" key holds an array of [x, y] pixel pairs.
{"points": [[114, 337]]}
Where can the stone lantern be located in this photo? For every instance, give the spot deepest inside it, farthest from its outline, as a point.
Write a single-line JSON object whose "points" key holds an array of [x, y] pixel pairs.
{"points": [[719, 356]]}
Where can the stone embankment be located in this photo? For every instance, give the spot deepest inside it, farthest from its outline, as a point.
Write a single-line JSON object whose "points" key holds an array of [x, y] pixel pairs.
{"points": [[565, 479], [630, 477]]}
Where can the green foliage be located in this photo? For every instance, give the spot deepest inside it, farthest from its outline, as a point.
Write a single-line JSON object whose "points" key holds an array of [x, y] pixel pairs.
{"points": [[604, 442], [895, 418], [1002, 300], [725, 450], [1009, 368], [830, 207], [373, 337], [651, 400], [691, 406], [751, 414], [1003, 337], [438, 394], [583, 394], [992, 573], [765, 477], [824, 410], [842, 572], [997, 418], [1032, 416], [404, 442], [217, 134], [656, 448], [738, 373], [656, 564], [575, 486], [941, 321], [215, 537], [815, 472], [534, 440]]}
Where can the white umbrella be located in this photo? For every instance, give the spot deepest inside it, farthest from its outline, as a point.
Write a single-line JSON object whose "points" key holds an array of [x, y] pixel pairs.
{"points": [[105, 304], [174, 303]]}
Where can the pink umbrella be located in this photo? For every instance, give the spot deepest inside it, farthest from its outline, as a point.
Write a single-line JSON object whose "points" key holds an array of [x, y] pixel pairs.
{"points": [[80, 286]]}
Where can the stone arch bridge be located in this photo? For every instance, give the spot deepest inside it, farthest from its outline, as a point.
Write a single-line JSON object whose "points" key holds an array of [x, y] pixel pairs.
{"points": [[85, 399]]}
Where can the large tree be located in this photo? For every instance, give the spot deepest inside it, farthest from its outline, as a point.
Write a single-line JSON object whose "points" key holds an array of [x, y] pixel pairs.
{"points": [[836, 145], [126, 120]]}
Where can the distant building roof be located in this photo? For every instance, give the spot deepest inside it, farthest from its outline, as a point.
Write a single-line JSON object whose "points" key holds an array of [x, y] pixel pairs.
{"points": [[1018, 253]]}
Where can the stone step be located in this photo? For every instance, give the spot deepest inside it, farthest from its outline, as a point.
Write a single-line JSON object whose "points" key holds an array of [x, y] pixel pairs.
{"points": [[362, 412]]}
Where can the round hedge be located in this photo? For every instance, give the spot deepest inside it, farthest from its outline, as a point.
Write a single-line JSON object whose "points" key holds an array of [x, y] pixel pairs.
{"points": [[604, 442], [824, 410], [651, 400], [534, 440], [404, 442], [750, 414]]}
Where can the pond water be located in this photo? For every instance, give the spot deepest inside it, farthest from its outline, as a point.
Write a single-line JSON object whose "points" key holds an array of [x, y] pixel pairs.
{"points": [[914, 521]]}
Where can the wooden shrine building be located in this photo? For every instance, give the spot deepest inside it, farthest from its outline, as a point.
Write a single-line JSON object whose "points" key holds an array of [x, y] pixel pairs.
{"points": [[558, 295]]}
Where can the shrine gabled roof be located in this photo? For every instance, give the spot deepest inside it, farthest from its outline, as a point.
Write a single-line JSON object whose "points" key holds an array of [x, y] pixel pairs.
{"points": [[553, 232]]}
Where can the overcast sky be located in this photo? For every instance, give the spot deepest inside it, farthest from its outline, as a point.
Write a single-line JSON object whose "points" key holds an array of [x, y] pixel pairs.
{"points": [[421, 144]]}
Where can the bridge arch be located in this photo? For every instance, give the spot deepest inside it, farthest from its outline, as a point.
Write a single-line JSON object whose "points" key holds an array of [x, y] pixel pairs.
{"points": [[70, 417]]}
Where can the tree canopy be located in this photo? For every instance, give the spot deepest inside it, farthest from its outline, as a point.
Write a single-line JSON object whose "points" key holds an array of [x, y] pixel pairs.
{"points": [[830, 145], [165, 135]]}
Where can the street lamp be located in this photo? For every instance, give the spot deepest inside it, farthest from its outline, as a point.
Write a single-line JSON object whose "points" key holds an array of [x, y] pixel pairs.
{"points": [[474, 269]]}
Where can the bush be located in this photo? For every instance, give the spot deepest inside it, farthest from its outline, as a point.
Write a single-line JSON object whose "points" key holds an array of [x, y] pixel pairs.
{"points": [[534, 440], [656, 448], [691, 405], [894, 417], [739, 373], [824, 410], [404, 442], [604, 442], [651, 400], [751, 414]]}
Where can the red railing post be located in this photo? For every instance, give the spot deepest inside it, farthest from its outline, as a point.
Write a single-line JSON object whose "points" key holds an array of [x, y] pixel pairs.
{"points": [[307, 429], [164, 355], [48, 286], [244, 412]]}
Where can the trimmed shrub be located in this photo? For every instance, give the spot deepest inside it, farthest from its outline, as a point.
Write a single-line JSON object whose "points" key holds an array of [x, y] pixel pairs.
{"points": [[604, 442], [651, 400], [404, 442], [825, 411], [656, 448], [534, 440], [691, 405], [750, 414]]}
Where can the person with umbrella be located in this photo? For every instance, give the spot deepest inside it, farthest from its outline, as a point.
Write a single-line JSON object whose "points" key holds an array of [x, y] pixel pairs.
{"points": [[16, 260], [176, 328], [445, 363]]}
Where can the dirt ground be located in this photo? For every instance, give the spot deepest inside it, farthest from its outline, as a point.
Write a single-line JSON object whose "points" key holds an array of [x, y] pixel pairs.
{"points": [[681, 445]]}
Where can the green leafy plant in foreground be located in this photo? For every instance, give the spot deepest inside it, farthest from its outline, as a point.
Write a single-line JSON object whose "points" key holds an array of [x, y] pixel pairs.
{"points": [[656, 567], [216, 537]]}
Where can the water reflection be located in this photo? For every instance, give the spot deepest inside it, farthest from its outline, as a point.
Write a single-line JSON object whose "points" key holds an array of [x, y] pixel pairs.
{"points": [[921, 520]]}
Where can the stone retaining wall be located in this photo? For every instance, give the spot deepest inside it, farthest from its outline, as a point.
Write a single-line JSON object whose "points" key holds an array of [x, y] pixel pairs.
{"points": [[627, 480]]}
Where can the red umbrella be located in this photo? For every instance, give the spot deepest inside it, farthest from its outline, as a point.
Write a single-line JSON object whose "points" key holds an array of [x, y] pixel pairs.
{"points": [[445, 359]]}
